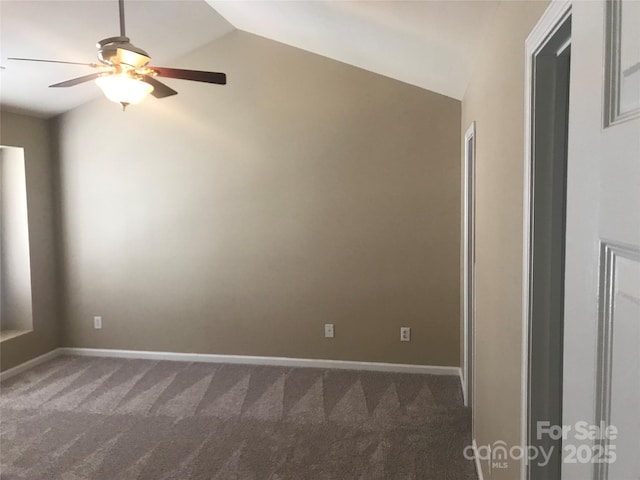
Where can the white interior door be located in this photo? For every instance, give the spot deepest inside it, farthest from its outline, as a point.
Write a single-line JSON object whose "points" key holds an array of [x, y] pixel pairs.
{"points": [[602, 289]]}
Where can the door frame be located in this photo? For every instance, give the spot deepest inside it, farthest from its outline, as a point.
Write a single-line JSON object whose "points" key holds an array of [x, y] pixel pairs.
{"points": [[551, 20], [468, 265]]}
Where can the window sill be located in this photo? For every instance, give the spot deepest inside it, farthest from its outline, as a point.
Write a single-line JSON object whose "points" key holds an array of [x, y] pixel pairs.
{"points": [[7, 334]]}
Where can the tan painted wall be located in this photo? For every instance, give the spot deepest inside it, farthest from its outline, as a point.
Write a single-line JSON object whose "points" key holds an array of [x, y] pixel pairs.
{"points": [[240, 219], [34, 136], [495, 100]]}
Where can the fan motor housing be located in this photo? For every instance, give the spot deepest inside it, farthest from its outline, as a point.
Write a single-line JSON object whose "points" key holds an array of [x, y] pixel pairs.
{"points": [[120, 51]]}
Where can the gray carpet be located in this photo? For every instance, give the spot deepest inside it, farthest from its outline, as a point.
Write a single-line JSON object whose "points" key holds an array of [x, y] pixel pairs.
{"points": [[77, 418]]}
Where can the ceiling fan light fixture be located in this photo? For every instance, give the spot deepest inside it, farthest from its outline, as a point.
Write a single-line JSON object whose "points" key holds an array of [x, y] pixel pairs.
{"points": [[123, 73], [124, 89]]}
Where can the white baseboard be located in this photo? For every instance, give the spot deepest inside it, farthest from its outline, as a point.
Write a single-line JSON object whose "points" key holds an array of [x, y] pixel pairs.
{"points": [[476, 459], [235, 359], [255, 360], [29, 364]]}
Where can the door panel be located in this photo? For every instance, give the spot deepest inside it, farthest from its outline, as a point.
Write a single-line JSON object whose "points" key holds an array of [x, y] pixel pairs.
{"points": [[602, 287], [619, 362]]}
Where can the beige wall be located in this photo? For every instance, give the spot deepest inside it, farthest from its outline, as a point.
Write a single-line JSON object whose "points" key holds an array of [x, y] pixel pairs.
{"points": [[240, 219], [34, 136], [495, 100]]}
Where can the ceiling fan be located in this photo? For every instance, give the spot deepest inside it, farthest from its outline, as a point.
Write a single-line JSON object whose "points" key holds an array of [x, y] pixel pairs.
{"points": [[124, 74]]}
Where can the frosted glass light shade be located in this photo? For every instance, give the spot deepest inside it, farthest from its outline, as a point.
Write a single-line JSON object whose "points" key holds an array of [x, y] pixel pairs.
{"points": [[123, 89]]}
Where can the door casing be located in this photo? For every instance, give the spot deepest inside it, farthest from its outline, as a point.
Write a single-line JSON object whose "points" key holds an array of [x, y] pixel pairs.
{"points": [[553, 18], [468, 261]]}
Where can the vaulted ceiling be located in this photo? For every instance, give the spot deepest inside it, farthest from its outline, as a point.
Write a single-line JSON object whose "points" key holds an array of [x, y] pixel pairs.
{"points": [[430, 44], [426, 43]]}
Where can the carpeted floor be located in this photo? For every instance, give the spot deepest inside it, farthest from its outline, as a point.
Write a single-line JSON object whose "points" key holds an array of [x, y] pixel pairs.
{"points": [[79, 418]]}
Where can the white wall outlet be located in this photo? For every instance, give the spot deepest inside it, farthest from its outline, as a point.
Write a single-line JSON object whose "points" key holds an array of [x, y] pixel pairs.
{"points": [[97, 323], [328, 330], [405, 334]]}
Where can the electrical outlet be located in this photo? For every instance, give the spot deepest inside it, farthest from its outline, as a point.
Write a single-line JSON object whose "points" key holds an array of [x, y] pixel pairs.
{"points": [[97, 323], [328, 330], [405, 334]]}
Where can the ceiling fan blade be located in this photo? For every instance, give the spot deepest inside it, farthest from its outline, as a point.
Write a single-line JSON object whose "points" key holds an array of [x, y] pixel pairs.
{"points": [[160, 90], [76, 81], [195, 75], [51, 61]]}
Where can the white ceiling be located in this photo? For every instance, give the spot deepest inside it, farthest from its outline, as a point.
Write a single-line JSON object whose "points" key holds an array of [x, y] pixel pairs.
{"points": [[426, 43], [68, 30]]}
